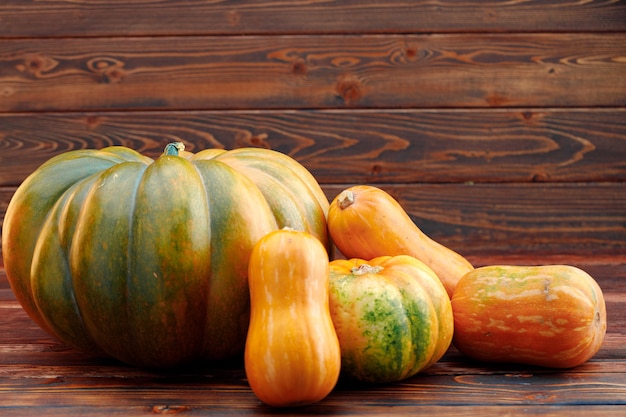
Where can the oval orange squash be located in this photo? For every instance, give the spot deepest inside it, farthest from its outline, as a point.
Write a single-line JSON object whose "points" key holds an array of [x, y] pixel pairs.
{"points": [[292, 354], [366, 222], [392, 316], [551, 315]]}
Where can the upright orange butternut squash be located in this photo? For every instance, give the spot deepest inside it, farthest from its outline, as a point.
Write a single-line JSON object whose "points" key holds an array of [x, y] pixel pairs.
{"points": [[292, 354]]}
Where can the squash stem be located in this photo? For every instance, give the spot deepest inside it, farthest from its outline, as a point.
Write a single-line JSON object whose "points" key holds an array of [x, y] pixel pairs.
{"points": [[365, 269], [174, 148], [345, 199]]}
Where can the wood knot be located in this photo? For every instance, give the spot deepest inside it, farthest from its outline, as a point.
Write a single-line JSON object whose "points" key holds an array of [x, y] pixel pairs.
{"points": [[93, 121], [110, 70], [256, 141], [348, 91], [260, 141], [7, 91], [298, 68], [531, 117], [541, 177], [170, 409], [496, 100], [37, 65], [233, 17]]}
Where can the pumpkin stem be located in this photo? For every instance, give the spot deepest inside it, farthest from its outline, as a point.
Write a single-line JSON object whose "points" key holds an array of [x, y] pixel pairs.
{"points": [[364, 269], [174, 148], [345, 199]]}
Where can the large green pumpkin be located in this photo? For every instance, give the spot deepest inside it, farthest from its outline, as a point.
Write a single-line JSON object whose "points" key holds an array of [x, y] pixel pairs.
{"points": [[146, 260]]}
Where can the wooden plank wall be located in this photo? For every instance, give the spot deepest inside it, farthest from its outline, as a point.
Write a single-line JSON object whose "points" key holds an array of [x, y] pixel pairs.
{"points": [[499, 125]]}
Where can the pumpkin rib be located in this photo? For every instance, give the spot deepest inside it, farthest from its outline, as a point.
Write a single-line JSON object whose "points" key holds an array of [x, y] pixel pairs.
{"points": [[436, 293], [74, 329], [205, 343], [246, 199], [178, 262], [100, 257], [134, 352], [299, 210], [30, 207], [422, 316], [296, 168], [207, 154]]}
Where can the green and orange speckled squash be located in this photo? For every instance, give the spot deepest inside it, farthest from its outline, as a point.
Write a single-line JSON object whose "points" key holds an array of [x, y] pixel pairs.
{"points": [[550, 315], [392, 316], [146, 260]]}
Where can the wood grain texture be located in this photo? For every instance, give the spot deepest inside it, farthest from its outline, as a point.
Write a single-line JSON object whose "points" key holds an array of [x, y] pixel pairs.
{"points": [[528, 219], [50, 378], [59, 18], [270, 72], [439, 146], [232, 392], [236, 410], [395, 410], [5, 196]]}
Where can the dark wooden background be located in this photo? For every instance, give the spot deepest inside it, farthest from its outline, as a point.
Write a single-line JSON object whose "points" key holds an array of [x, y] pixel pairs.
{"points": [[499, 125]]}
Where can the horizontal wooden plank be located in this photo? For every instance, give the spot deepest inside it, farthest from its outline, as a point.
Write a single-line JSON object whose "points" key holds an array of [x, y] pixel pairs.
{"points": [[5, 196], [269, 72], [468, 383], [27, 18], [389, 408], [56, 378], [383, 410], [518, 219], [425, 390], [498, 220], [45, 359], [350, 146]]}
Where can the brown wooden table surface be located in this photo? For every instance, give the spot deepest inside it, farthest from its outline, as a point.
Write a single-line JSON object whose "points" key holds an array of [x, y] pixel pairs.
{"points": [[40, 376]]}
